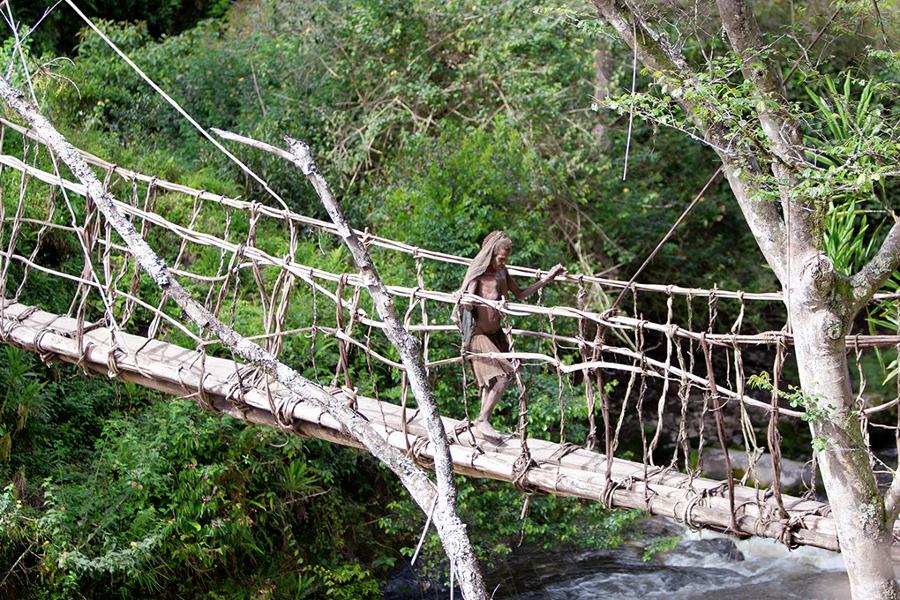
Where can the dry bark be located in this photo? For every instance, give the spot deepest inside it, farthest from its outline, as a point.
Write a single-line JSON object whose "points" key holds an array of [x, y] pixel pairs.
{"points": [[603, 72], [449, 527], [820, 307], [462, 554]]}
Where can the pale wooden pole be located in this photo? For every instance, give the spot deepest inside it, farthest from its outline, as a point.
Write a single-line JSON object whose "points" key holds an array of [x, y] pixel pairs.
{"points": [[298, 153]]}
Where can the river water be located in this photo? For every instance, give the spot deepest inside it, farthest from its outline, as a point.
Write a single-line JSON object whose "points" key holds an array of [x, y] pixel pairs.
{"points": [[704, 565]]}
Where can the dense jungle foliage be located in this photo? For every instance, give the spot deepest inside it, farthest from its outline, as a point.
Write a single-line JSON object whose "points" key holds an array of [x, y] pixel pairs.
{"points": [[435, 122]]}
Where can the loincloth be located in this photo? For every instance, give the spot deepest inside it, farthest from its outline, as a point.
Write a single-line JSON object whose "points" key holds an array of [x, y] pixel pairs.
{"points": [[486, 369]]}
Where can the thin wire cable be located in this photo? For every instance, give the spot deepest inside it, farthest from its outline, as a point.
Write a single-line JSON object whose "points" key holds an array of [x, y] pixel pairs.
{"points": [[19, 42], [178, 107], [665, 238], [631, 113]]}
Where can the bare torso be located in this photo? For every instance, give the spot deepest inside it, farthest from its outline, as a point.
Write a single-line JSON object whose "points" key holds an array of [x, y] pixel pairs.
{"points": [[492, 285]]}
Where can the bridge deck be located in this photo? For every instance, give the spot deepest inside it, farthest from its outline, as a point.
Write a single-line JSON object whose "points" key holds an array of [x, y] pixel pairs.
{"points": [[244, 393]]}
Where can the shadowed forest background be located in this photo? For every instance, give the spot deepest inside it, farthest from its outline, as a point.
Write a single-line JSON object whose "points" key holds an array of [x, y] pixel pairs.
{"points": [[436, 123]]}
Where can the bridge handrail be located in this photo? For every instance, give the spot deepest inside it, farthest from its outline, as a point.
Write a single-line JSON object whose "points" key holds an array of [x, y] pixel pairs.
{"points": [[397, 246]]}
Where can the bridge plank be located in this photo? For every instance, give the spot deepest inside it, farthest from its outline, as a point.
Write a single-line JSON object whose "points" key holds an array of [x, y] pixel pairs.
{"points": [[230, 387]]}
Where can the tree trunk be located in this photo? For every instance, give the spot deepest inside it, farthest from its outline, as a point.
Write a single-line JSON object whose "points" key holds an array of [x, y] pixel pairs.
{"points": [[820, 319], [820, 303], [603, 70]]}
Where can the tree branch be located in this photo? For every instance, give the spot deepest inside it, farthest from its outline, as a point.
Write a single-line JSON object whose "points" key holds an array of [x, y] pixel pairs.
{"points": [[872, 276], [763, 218], [746, 41], [782, 131], [652, 50], [892, 501], [407, 346], [414, 479]]}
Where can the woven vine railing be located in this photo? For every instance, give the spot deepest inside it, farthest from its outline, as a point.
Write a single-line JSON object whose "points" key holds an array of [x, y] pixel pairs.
{"points": [[656, 395]]}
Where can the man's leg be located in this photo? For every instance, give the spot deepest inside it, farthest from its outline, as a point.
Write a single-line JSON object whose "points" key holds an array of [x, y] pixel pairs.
{"points": [[490, 397]]}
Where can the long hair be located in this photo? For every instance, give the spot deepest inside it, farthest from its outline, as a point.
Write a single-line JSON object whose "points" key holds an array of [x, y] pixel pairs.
{"points": [[464, 316], [482, 260]]}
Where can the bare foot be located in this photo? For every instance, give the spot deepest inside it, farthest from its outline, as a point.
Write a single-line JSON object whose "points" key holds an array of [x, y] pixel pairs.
{"points": [[486, 431]]}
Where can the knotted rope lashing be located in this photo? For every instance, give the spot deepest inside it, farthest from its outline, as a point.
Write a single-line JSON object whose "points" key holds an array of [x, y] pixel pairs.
{"points": [[585, 356], [16, 225], [38, 244], [554, 347], [149, 204], [720, 426], [45, 356], [772, 435], [203, 399], [524, 462], [663, 395], [315, 325], [343, 366], [282, 290], [176, 264], [240, 380], [420, 285]]}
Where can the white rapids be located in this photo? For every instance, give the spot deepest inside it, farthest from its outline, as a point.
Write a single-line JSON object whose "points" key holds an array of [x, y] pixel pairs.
{"points": [[704, 566]]}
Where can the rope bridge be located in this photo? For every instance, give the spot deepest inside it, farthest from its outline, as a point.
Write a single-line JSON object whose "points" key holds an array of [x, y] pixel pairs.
{"points": [[683, 378]]}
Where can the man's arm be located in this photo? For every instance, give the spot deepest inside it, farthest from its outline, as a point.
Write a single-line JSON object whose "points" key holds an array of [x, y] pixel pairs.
{"points": [[521, 294], [472, 288]]}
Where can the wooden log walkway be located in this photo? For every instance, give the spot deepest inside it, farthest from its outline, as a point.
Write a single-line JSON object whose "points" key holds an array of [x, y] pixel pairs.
{"points": [[566, 470]]}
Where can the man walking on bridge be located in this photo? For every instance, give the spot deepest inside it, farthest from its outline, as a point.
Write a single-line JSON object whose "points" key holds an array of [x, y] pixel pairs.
{"points": [[480, 324]]}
